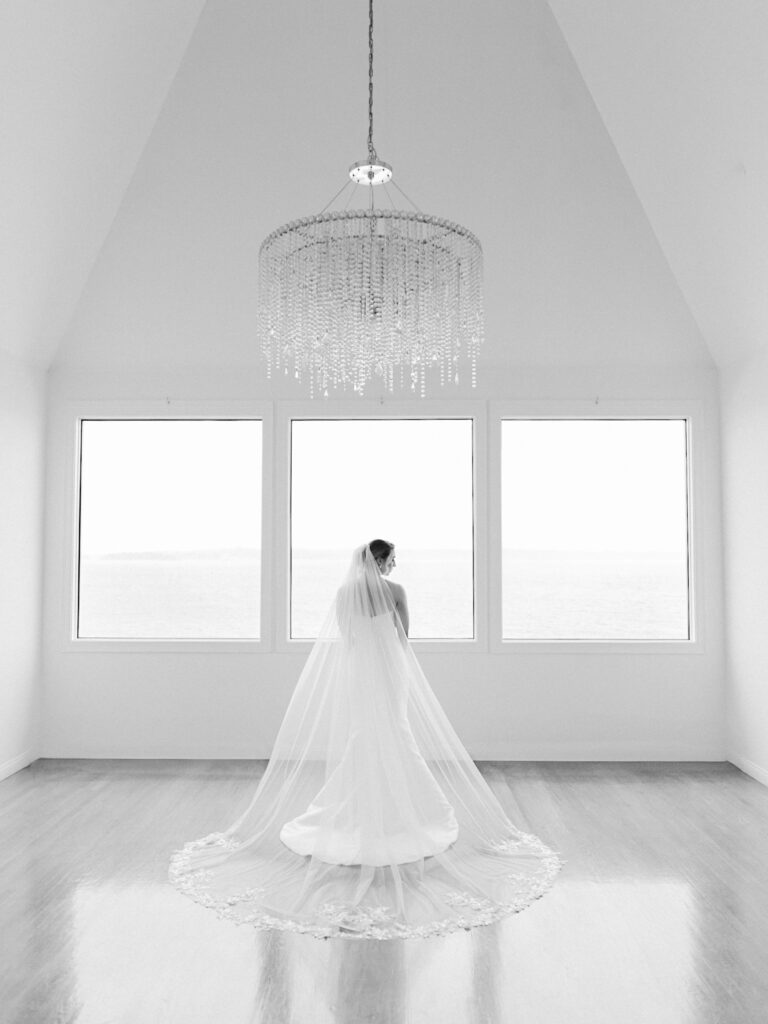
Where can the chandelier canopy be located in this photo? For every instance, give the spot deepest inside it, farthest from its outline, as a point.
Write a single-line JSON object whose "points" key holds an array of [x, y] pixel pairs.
{"points": [[349, 296]]}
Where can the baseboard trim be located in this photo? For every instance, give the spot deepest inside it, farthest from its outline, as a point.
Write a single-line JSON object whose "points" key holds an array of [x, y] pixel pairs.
{"points": [[750, 768], [477, 754], [15, 764]]}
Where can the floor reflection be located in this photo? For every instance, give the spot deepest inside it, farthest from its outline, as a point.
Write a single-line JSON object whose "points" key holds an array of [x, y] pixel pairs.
{"points": [[599, 952], [142, 954], [368, 982], [658, 917], [140, 957]]}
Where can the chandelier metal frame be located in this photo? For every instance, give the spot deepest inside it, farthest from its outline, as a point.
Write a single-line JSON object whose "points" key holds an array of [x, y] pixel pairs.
{"points": [[349, 296]]}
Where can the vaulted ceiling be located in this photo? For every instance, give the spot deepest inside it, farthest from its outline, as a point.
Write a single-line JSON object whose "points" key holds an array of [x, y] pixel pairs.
{"points": [[682, 87], [99, 100], [82, 84]]}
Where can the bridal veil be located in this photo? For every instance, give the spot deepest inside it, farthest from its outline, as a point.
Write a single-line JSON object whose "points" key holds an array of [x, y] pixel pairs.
{"points": [[371, 820]]}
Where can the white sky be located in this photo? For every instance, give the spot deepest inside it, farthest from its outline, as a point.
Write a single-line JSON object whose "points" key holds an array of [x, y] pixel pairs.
{"points": [[407, 481], [566, 485], [594, 485], [170, 485]]}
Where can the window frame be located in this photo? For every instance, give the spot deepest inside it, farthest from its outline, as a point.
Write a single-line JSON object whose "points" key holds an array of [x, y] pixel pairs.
{"points": [[158, 410], [364, 409], [691, 411], [276, 416]]}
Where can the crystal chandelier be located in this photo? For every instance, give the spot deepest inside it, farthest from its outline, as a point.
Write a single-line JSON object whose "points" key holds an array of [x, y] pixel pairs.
{"points": [[353, 295]]}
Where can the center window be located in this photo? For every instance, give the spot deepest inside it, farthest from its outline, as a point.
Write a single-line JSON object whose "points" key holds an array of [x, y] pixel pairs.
{"points": [[407, 481]]}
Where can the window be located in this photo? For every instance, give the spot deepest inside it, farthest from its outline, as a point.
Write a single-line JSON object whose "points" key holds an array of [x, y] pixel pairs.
{"points": [[594, 529], [170, 529], [408, 481]]}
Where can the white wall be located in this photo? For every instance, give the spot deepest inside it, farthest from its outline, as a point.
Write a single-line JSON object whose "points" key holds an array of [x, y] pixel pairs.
{"points": [[580, 304], [621, 704], [22, 436], [745, 525]]}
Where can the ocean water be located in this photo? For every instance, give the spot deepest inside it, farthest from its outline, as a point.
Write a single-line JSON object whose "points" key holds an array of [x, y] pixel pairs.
{"points": [[189, 596], [545, 595], [438, 585], [561, 595]]}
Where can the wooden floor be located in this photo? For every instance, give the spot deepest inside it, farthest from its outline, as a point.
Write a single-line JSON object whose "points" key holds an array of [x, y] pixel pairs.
{"points": [[659, 916]]}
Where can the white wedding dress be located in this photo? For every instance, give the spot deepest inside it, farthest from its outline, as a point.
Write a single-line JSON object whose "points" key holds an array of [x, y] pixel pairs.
{"points": [[371, 820]]}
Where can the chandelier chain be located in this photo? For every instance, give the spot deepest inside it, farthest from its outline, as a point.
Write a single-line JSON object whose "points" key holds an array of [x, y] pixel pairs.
{"points": [[372, 158]]}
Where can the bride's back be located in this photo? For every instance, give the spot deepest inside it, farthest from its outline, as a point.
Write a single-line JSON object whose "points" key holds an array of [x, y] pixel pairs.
{"points": [[359, 600]]}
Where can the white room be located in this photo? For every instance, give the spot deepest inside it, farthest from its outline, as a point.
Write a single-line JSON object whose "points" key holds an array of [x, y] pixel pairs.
{"points": [[578, 525]]}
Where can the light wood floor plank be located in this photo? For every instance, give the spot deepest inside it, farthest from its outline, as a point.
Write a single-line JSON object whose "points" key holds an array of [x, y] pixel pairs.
{"points": [[660, 915]]}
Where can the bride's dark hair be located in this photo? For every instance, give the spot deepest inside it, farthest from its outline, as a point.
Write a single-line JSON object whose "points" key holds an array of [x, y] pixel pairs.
{"points": [[381, 548]]}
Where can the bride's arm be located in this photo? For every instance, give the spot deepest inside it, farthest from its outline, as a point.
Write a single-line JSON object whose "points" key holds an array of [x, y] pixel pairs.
{"points": [[401, 604]]}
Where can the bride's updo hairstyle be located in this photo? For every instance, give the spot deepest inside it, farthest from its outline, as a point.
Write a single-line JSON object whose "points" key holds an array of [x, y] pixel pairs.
{"points": [[381, 549]]}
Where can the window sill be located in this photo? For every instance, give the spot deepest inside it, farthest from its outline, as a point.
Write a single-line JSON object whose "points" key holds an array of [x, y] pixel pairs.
{"points": [[122, 645]]}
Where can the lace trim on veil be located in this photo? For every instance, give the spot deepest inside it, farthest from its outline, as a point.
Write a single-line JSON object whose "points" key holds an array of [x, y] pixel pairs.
{"points": [[340, 920]]}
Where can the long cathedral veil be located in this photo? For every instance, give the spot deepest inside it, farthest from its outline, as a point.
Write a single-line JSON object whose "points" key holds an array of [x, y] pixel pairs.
{"points": [[371, 820]]}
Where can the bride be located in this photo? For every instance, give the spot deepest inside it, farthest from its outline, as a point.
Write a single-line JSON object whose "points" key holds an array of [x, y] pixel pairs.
{"points": [[371, 820]]}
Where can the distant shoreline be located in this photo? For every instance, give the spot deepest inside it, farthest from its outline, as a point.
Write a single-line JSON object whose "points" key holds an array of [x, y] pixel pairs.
{"points": [[404, 555]]}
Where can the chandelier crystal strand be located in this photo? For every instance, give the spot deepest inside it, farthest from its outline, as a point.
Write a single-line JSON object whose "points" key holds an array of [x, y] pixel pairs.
{"points": [[353, 296]]}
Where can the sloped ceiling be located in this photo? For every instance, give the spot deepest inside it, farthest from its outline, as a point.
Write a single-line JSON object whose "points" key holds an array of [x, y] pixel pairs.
{"points": [[682, 87], [82, 83], [187, 130]]}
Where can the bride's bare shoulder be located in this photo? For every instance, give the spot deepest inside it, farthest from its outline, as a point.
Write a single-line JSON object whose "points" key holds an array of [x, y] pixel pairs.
{"points": [[398, 590]]}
